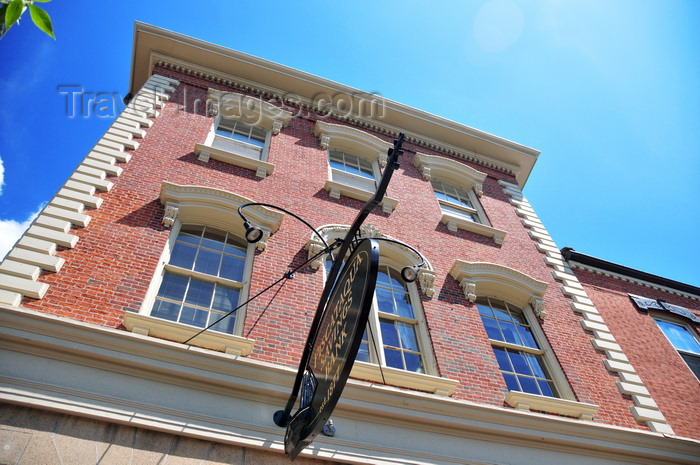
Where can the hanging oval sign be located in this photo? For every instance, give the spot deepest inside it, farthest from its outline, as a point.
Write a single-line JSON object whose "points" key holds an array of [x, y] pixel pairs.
{"points": [[335, 345]]}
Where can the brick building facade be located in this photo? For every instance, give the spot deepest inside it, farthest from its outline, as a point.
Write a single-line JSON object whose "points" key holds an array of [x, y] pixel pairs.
{"points": [[653, 320], [497, 353]]}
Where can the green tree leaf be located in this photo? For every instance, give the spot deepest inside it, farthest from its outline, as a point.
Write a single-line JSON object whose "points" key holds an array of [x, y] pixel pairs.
{"points": [[14, 11], [42, 19], [3, 28]]}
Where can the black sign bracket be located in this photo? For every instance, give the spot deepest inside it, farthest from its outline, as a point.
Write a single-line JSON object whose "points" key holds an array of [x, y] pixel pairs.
{"points": [[339, 321]]}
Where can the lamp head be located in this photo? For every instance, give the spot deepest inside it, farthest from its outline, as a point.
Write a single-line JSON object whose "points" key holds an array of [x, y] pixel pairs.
{"points": [[409, 273], [252, 233]]}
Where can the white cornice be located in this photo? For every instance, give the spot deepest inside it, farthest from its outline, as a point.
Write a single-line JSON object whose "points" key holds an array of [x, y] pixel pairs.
{"points": [[250, 74], [627, 279]]}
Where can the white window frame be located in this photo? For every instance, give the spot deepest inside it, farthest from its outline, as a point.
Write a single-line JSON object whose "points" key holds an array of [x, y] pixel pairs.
{"points": [[351, 179], [484, 279], [687, 327], [361, 144], [216, 208], [469, 180], [549, 365], [475, 210], [395, 256], [376, 354], [240, 147], [253, 111], [242, 286]]}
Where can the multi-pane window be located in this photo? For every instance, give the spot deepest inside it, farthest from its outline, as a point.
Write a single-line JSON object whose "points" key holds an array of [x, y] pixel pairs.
{"points": [[684, 342], [391, 338], [519, 356], [203, 279], [242, 131], [240, 138], [455, 200], [352, 170]]}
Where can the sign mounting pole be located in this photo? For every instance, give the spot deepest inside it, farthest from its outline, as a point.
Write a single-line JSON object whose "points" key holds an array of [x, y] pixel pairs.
{"points": [[337, 328]]}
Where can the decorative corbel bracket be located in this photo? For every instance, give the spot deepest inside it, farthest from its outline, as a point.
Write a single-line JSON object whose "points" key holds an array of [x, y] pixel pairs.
{"points": [[427, 281], [469, 288], [370, 230], [170, 214], [325, 140], [383, 158], [262, 243], [425, 171], [314, 247], [538, 307]]}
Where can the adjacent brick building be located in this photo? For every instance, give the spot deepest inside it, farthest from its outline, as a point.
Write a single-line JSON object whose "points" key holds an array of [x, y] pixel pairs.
{"points": [[654, 321], [497, 353]]}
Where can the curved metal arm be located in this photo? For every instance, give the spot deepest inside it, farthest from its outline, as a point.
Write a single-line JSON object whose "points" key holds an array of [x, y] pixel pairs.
{"points": [[275, 207], [408, 273], [394, 241]]}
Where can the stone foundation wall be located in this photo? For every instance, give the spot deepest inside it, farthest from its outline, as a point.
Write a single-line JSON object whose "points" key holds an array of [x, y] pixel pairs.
{"points": [[35, 437]]}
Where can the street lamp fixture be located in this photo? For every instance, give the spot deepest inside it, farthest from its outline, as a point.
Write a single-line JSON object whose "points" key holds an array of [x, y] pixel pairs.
{"points": [[253, 234]]}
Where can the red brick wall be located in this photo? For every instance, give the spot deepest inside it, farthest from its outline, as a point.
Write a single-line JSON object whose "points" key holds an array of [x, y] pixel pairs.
{"points": [[670, 382], [110, 269]]}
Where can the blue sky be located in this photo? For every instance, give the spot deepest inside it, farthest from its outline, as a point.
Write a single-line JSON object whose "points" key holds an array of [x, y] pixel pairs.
{"points": [[608, 91]]}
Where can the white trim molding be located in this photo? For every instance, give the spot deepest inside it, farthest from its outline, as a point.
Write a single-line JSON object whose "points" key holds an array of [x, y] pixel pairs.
{"points": [[610, 274], [352, 140], [157, 327], [337, 189], [457, 174], [392, 250], [217, 208], [493, 280], [405, 379], [454, 223], [307, 94], [358, 143], [262, 168], [122, 378], [450, 171], [603, 340], [251, 110], [569, 408]]}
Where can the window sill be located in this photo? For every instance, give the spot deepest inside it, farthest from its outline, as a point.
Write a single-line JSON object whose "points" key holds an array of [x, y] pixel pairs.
{"points": [[570, 408], [164, 329], [405, 379], [455, 222], [262, 169], [337, 189]]}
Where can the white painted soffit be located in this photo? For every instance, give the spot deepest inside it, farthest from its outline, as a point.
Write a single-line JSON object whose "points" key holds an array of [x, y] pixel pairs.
{"points": [[150, 40]]}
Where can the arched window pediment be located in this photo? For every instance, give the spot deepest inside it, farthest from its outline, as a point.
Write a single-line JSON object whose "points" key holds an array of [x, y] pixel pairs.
{"points": [[352, 140], [392, 252], [252, 110], [217, 208], [492, 280], [450, 171], [343, 181]]}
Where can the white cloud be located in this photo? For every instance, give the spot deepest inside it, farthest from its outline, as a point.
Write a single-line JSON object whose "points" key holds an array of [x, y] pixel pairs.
{"points": [[11, 231]]}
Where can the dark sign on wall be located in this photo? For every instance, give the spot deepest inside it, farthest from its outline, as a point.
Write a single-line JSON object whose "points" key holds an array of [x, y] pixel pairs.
{"points": [[335, 347], [336, 330]]}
